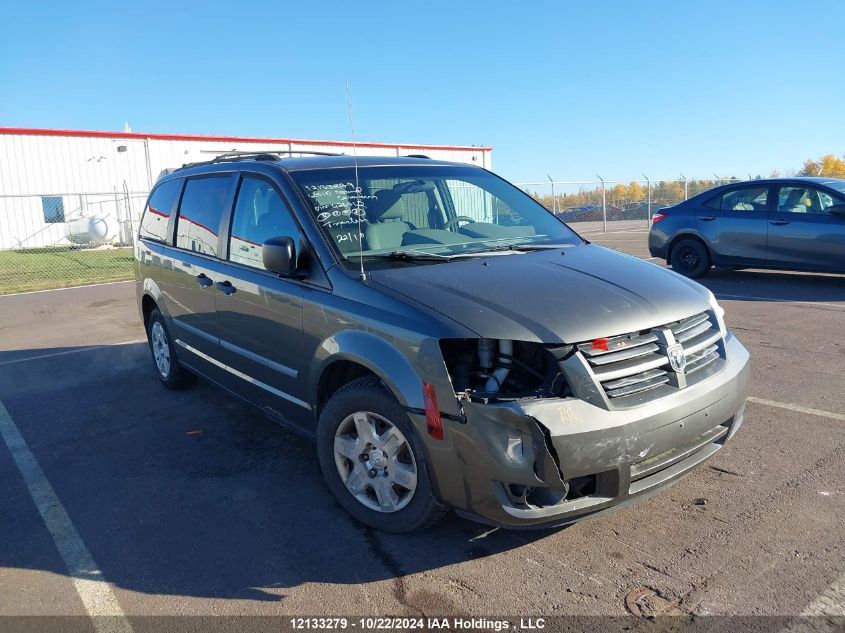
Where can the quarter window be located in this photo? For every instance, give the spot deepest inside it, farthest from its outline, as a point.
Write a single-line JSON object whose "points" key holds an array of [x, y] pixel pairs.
{"points": [[259, 215], [203, 204], [157, 213]]}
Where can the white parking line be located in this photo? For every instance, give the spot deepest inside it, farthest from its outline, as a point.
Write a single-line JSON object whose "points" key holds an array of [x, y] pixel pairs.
{"points": [[104, 283], [75, 350], [96, 594], [798, 408], [600, 232], [830, 602], [775, 300]]}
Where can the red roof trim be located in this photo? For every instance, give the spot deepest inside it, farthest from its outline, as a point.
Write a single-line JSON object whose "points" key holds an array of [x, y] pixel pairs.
{"points": [[227, 139]]}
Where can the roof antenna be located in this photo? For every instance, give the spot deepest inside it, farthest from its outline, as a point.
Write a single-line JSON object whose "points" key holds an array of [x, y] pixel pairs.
{"points": [[359, 208]]}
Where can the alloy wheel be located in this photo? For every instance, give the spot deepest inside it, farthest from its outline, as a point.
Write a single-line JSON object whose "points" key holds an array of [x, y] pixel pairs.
{"points": [[375, 462], [161, 349]]}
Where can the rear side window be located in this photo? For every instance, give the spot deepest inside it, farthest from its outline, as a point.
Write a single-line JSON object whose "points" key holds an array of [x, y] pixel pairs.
{"points": [[259, 215], [203, 204], [745, 199], [157, 213]]}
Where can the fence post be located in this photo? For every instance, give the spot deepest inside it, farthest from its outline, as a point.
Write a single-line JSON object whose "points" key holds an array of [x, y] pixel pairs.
{"points": [[554, 198], [131, 239], [648, 184], [686, 187], [603, 204]]}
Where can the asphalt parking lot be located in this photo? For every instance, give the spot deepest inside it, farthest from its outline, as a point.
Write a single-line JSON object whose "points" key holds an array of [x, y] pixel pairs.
{"points": [[192, 503]]}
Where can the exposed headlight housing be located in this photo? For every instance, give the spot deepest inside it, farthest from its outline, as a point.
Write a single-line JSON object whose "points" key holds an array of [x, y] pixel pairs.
{"points": [[499, 369], [719, 311]]}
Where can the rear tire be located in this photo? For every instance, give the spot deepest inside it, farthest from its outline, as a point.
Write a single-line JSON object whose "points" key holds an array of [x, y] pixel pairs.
{"points": [[171, 374], [690, 258], [373, 461]]}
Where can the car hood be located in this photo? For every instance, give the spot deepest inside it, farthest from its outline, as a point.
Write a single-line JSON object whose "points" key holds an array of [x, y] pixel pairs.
{"points": [[566, 295]]}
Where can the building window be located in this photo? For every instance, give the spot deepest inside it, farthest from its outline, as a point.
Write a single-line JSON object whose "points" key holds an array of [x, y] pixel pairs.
{"points": [[53, 208]]}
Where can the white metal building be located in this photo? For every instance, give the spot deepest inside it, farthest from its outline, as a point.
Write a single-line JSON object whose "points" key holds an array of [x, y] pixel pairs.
{"points": [[60, 183]]}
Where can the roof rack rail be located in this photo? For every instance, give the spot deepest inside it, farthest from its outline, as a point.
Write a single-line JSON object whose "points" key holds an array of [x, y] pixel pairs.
{"points": [[257, 155]]}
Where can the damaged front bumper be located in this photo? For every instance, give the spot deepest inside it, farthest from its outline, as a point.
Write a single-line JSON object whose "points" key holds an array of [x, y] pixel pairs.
{"points": [[550, 461]]}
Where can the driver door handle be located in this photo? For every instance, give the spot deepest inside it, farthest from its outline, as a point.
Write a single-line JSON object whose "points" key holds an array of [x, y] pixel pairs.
{"points": [[778, 222], [204, 281], [225, 287]]}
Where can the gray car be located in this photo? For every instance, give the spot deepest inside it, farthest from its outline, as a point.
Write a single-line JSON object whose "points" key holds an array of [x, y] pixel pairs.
{"points": [[446, 340], [781, 223]]}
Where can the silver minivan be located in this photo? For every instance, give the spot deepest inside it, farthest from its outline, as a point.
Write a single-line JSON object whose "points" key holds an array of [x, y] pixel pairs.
{"points": [[447, 341]]}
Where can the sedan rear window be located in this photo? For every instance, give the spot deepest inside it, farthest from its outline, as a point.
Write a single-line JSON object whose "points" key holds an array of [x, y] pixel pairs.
{"points": [[742, 199]]}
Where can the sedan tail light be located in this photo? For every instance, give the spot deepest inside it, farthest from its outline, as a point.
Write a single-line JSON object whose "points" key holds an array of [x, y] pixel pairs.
{"points": [[657, 217]]}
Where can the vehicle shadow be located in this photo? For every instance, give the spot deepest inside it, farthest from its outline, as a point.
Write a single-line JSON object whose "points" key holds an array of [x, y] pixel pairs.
{"points": [[194, 493], [767, 285]]}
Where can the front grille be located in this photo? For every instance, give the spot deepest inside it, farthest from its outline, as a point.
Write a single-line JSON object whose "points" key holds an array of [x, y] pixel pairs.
{"points": [[636, 366]]}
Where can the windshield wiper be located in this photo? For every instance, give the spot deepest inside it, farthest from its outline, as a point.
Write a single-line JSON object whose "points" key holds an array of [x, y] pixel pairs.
{"points": [[523, 247], [410, 255]]}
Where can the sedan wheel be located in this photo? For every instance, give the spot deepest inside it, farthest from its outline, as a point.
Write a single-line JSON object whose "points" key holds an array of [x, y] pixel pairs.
{"points": [[375, 462], [690, 258]]}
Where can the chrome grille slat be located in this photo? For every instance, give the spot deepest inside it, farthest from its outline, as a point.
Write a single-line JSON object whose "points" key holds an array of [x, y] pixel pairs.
{"points": [[685, 324], [629, 367], [625, 354], [692, 332], [645, 385], [702, 359], [631, 380], [617, 343], [702, 341], [635, 363]]}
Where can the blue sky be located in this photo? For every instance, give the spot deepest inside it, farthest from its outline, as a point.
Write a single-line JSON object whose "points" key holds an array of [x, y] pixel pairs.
{"points": [[571, 89]]}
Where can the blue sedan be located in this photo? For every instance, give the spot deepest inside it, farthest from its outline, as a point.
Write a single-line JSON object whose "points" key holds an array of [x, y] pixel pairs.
{"points": [[781, 223]]}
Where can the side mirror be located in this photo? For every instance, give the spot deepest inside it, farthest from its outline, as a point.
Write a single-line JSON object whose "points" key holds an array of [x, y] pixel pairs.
{"points": [[279, 255], [836, 209]]}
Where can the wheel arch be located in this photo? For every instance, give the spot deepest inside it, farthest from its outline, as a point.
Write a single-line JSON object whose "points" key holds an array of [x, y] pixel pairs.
{"points": [[351, 354], [150, 297], [688, 235]]}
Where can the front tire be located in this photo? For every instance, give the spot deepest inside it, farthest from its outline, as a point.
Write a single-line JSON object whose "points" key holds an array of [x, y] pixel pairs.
{"points": [[373, 461], [690, 258], [171, 374]]}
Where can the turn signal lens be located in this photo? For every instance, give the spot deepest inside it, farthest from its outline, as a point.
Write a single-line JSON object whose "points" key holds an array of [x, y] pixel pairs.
{"points": [[600, 343], [432, 412], [657, 217]]}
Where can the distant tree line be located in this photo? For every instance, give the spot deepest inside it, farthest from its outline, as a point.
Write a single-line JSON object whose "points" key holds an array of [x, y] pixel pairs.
{"points": [[630, 197]]}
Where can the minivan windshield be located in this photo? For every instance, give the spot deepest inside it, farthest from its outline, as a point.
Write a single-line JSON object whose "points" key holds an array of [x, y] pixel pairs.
{"points": [[427, 212]]}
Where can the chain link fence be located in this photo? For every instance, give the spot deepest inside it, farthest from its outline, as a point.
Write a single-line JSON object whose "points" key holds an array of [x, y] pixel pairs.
{"points": [[54, 240], [602, 205]]}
